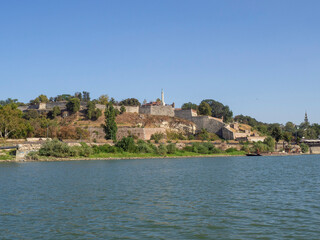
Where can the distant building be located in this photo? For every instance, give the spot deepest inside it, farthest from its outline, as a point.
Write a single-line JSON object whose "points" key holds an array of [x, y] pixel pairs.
{"points": [[306, 118]]}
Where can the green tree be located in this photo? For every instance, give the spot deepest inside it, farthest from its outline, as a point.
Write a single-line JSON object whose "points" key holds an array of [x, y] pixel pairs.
{"points": [[204, 109], [304, 147], [130, 102], [73, 105], [269, 141], [276, 133], [40, 99], [12, 124], [56, 111], [287, 136], [92, 112], [290, 127], [85, 96], [103, 99], [189, 105], [122, 109], [110, 127], [219, 110]]}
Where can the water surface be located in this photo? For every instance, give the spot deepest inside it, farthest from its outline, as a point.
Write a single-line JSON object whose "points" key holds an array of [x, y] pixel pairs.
{"points": [[195, 198]]}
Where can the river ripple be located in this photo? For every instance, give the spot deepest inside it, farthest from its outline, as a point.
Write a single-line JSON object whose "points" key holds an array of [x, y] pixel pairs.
{"points": [[195, 198]]}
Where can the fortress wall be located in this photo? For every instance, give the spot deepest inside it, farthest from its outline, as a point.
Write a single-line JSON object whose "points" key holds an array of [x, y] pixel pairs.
{"points": [[102, 107], [129, 109], [227, 134], [96, 132], [185, 114], [149, 131], [125, 132], [145, 110], [23, 108], [162, 111], [208, 123], [61, 105], [140, 133]]}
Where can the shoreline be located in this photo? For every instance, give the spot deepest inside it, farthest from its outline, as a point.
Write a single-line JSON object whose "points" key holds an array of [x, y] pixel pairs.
{"points": [[152, 157]]}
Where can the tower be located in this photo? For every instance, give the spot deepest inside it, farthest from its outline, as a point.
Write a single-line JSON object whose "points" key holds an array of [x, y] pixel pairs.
{"points": [[162, 98], [306, 118]]}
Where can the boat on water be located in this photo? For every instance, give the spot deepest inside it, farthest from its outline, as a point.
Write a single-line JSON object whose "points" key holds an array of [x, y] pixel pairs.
{"points": [[253, 154]]}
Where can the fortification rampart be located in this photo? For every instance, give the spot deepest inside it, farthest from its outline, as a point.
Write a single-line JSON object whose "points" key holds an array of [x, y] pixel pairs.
{"points": [[157, 110], [140, 133]]}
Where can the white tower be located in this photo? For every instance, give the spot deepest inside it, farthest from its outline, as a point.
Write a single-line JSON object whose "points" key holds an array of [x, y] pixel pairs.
{"points": [[162, 98]]}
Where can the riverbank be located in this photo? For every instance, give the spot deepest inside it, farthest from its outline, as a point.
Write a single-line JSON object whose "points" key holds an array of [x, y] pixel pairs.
{"points": [[129, 156]]}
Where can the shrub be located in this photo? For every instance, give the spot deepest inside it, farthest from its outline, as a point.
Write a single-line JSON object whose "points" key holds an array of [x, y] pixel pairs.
{"points": [[32, 156], [143, 147], [162, 149], [230, 150], [175, 135], [126, 144], [171, 148], [304, 147], [55, 148], [157, 137]]}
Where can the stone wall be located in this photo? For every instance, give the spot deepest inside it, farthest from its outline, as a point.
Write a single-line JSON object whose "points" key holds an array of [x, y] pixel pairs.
{"points": [[157, 110], [129, 109], [227, 133], [140, 133], [185, 114], [209, 123], [24, 149], [314, 150]]}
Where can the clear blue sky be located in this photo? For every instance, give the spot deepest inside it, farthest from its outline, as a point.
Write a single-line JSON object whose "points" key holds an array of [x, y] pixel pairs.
{"points": [[262, 58]]}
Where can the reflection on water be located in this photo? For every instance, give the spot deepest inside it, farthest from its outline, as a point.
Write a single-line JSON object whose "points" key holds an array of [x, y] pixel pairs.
{"points": [[196, 198]]}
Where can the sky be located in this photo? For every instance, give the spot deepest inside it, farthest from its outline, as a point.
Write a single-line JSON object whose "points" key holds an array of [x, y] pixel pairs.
{"points": [[261, 58]]}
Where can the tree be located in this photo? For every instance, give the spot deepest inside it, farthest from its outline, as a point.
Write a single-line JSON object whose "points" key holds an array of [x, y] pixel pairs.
{"points": [[189, 105], [56, 111], [73, 105], [287, 136], [304, 147], [290, 127], [12, 124], [219, 110], [122, 109], [130, 102], [204, 109], [276, 133], [110, 127], [92, 112], [78, 95], [85, 96], [40, 99], [269, 141], [103, 99]]}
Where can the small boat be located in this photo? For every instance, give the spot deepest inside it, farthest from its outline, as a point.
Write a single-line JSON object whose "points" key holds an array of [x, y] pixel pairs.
{"points": [[254, 154]]}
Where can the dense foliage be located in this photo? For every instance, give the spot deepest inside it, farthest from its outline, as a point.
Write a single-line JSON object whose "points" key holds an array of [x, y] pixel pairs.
{"points": [[110, 126], [58, 149], [130, 102]]}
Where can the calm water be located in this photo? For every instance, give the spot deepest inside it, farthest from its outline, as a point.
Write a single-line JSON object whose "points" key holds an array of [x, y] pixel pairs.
{"points": [[196, 198]]}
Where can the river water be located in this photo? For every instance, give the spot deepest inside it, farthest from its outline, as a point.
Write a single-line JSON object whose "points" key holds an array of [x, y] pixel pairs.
{"points": [[191, 198]]}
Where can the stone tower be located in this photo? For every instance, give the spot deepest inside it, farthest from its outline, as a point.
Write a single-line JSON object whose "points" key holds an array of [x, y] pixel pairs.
{"points": [[162, 98], [306, 118]]}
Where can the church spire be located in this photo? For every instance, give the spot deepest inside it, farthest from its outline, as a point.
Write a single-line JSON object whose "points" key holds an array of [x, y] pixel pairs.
{"points": [[306, 118]]}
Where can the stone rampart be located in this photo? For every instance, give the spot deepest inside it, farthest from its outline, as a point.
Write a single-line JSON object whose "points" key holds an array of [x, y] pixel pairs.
{"points": [[227, 134], [157, 110], [129, 109], [140, 133], [185, 114], [211, 124]]}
